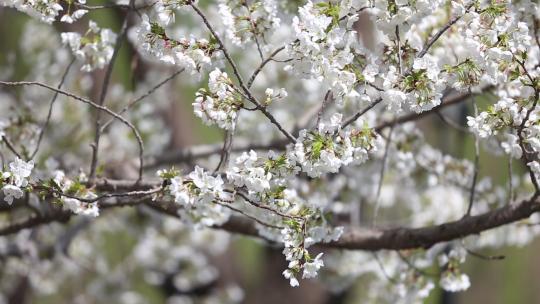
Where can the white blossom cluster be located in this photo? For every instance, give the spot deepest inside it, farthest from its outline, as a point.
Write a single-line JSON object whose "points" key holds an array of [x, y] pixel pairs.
{"points": [[202, 197], [331, 147], [249, 172], [423, 86], [258, 174], [165, 10], [77, 14], [95, 49], [324, 50], [245, 22], [452, 279], [220, 103], [199, 195], [297, 239], [72, 192], [45, 10], [15, 183], [405, 14], [15, 180], [191, 53], [201, 188]]}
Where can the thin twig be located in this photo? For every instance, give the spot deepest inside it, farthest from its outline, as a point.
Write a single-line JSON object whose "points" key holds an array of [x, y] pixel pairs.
{"points": [[381, 179], [239, 77], [383, 270], [522, 127], [262, 65], [451, 123], [94, 105], [226, 150], [482, 256], [112, 5], [11, 147], [447, 101], [228, 205], [511, 194], [268, 208], [132, 103], [358, 114], [413, 267], [203, 151], [103, 94], [49, 113], [327, 97], [476, 163], [436, 37], [399, 50]]}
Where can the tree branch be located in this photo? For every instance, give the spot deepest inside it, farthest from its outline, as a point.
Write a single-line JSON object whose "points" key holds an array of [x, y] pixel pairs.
{"points": [[425, 237], [34, 221], [438, 35], [49, 113], [239, 77], [88, 102], [203, 151], [356, 238], [103, 94], [446, 102]]}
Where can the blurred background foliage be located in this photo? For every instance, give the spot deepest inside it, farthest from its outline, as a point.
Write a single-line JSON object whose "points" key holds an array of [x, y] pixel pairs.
{"points": [[258, 268]]}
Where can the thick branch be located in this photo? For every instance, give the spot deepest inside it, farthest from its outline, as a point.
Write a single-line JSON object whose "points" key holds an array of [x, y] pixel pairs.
{"points": [[409, 238], [353, 238], [395, 238], [34, 221]]}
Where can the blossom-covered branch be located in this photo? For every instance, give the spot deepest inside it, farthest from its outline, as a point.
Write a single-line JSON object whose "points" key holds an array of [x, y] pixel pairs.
{"points": [[325, 148]]}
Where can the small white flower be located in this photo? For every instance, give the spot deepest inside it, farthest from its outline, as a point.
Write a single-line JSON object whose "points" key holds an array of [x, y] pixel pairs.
{"points": [[244, 21], [97, 47], [454, 282], [180, 192], [429, 64], [12, 192], [479, 125], [78, 14], [81, 208], [20, 171], [511, 146], [66, 18], [331, 126], [288, 274], [46, 10], [218, 105], [312, 268], [204, 181], [187, 52], [394, 99]]}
